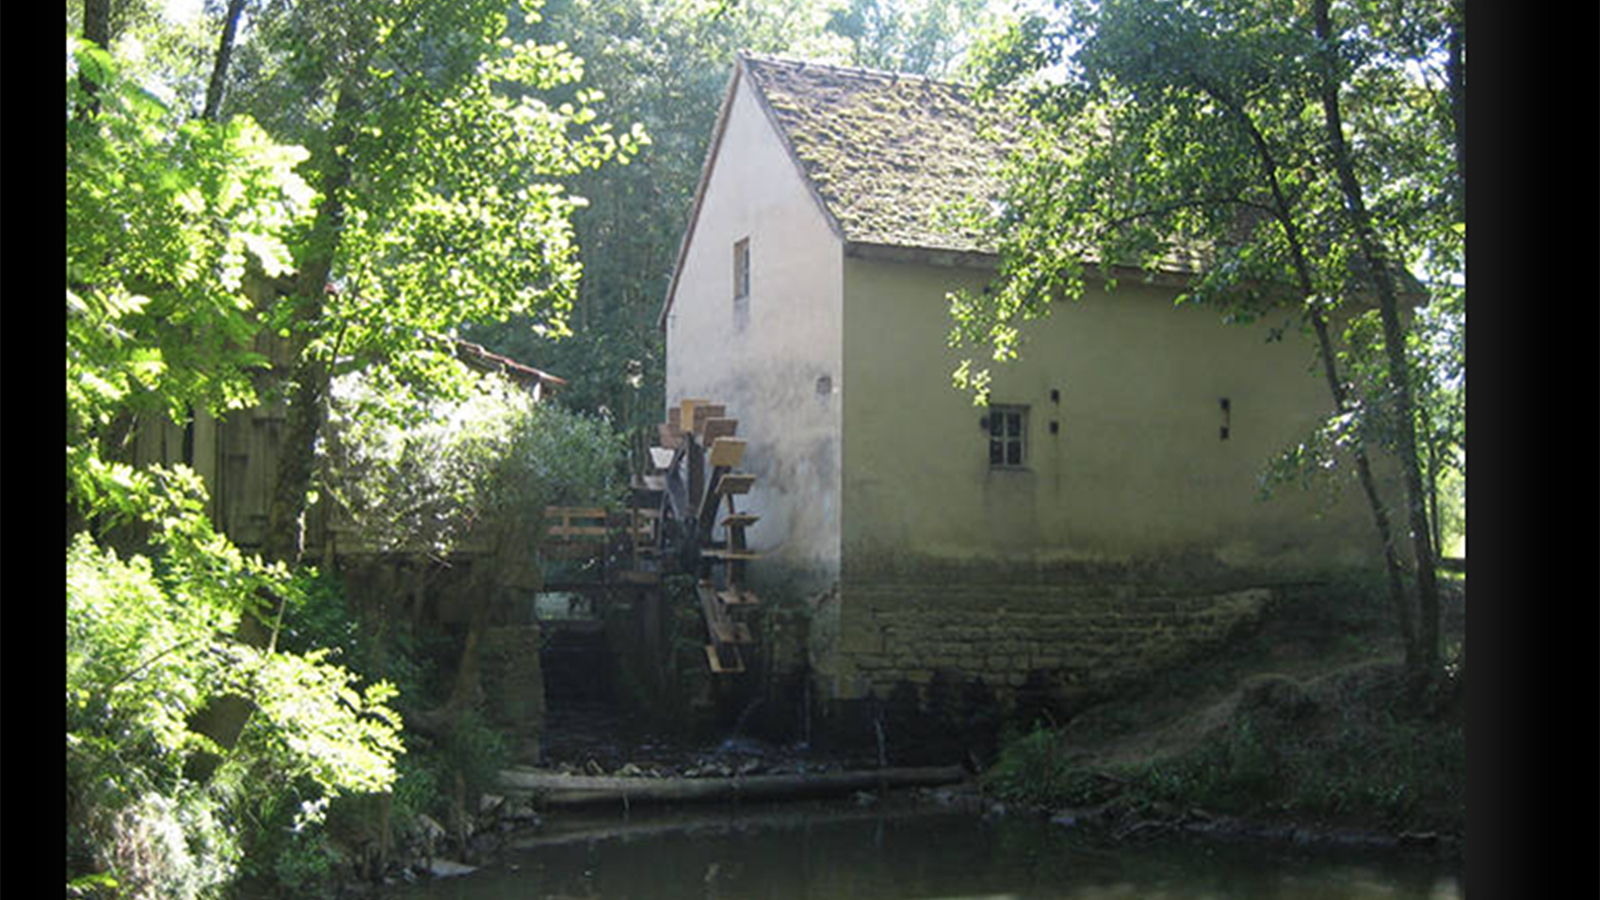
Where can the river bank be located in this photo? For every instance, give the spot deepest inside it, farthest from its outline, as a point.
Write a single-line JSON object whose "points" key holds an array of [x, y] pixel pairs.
{"points": [[1305, 734], [911, 845], [1309, 730]]}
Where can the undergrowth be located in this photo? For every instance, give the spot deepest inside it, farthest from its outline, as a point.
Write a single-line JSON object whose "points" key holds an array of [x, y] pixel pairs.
{"points": [[1361, 745], [1353, 748]]}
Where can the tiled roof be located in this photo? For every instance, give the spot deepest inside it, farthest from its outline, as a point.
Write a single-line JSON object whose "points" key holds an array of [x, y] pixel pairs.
{"points": [[887, 154]]}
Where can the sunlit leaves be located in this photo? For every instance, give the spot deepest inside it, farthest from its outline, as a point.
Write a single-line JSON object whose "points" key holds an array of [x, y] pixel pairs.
{"points": [[146, 648], [163, 218], [136, 654], [456, 143], [426, 475], [344, 737]]}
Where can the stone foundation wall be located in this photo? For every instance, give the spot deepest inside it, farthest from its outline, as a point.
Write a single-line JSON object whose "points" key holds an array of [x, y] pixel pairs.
{"points": [[513, 686], [1017, 639]]}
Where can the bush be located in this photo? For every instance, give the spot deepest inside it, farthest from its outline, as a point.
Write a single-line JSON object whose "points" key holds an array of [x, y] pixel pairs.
{"points": [[159, 847], [1036, 769], [148, 650]]}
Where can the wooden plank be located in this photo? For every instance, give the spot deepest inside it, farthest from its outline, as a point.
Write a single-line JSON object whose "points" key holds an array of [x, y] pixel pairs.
{"points": [[669, 435], [726, 452], [737, 597], [575, 512], [713, 428], [703, 414], [578, 531], [740, 520], [689, 414], [710, 609], [735, 483], [727, 632], [733, 665]]}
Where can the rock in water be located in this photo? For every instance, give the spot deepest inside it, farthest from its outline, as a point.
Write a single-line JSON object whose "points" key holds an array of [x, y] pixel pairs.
{"points": [[444, 868]]}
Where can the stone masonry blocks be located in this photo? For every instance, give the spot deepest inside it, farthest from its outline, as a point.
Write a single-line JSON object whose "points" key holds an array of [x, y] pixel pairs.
{"points": [[898, 635]]}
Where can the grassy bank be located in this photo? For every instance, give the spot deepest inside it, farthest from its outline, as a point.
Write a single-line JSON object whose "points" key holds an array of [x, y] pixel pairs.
{"points": [[1310, 720]]}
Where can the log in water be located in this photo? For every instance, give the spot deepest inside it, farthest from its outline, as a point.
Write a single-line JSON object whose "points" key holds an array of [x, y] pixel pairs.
{"points": [[555, 789]]}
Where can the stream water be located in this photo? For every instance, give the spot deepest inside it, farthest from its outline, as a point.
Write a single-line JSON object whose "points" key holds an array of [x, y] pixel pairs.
{"points": [[842, 851]]}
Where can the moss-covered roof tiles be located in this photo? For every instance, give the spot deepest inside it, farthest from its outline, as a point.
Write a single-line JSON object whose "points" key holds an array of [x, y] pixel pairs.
{"points": [[887, 154]]}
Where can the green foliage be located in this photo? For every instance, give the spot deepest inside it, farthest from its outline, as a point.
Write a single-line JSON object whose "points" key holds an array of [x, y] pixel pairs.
{"points": [[476, 753], [1038, 768], [147, 649], [1189, 136], [416, 788], [443, 160], [928, 37], [1360, 753], [446, 471], [163, 219], [1032, 768], [158, 846], [663, 64]]}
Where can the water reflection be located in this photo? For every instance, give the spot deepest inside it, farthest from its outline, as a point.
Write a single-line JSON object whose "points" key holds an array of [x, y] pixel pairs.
{"points": [[828, 853]]}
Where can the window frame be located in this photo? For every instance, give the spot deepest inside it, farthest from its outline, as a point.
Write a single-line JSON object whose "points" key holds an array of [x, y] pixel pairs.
{"points": [[999, 418]]}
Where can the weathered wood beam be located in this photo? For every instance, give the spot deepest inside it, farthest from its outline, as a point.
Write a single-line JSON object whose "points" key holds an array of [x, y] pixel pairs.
{"points": [[555, 789]]}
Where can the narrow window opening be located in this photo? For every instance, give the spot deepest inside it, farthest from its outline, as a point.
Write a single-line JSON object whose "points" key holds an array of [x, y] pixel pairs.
{"points": [[741, 269]]}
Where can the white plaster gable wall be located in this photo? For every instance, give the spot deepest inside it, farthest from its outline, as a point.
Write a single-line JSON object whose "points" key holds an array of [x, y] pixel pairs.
{"points": [[773, 359]]}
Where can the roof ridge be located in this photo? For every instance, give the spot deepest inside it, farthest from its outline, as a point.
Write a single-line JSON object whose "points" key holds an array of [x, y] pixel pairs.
{"points": [[843, 69]]}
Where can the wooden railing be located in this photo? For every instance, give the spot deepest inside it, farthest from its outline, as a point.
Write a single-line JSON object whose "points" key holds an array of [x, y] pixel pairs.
{"points": [[589, 531]]}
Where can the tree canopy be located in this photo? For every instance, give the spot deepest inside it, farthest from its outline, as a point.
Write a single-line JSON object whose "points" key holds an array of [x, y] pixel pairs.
{"points": [[1298, 159], [393, 171]]}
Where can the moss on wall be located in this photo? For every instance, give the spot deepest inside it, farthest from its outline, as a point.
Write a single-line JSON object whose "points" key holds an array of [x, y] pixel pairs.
{"points": [[1039, 642], [513, 686]]}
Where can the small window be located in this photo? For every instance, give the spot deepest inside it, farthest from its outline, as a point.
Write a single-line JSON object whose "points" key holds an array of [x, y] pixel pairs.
{"points": [[1008, 436], [741, 269]]}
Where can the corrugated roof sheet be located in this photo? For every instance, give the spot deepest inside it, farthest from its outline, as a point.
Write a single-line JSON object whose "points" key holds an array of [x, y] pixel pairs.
{"points": [[886, 153]]}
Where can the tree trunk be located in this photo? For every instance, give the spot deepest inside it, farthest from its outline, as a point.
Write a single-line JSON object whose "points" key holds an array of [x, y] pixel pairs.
{"points": [[224, 718], [1330, 369], [489, 573], [467, 693], [575, 790], [307, 411], [1404, 413], [219, 69], [1456, 73], [1405, 616], [96, 28]]}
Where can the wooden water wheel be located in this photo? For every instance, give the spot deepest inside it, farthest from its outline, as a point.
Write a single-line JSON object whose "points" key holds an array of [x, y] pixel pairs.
{"points": [[693, 485]]}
